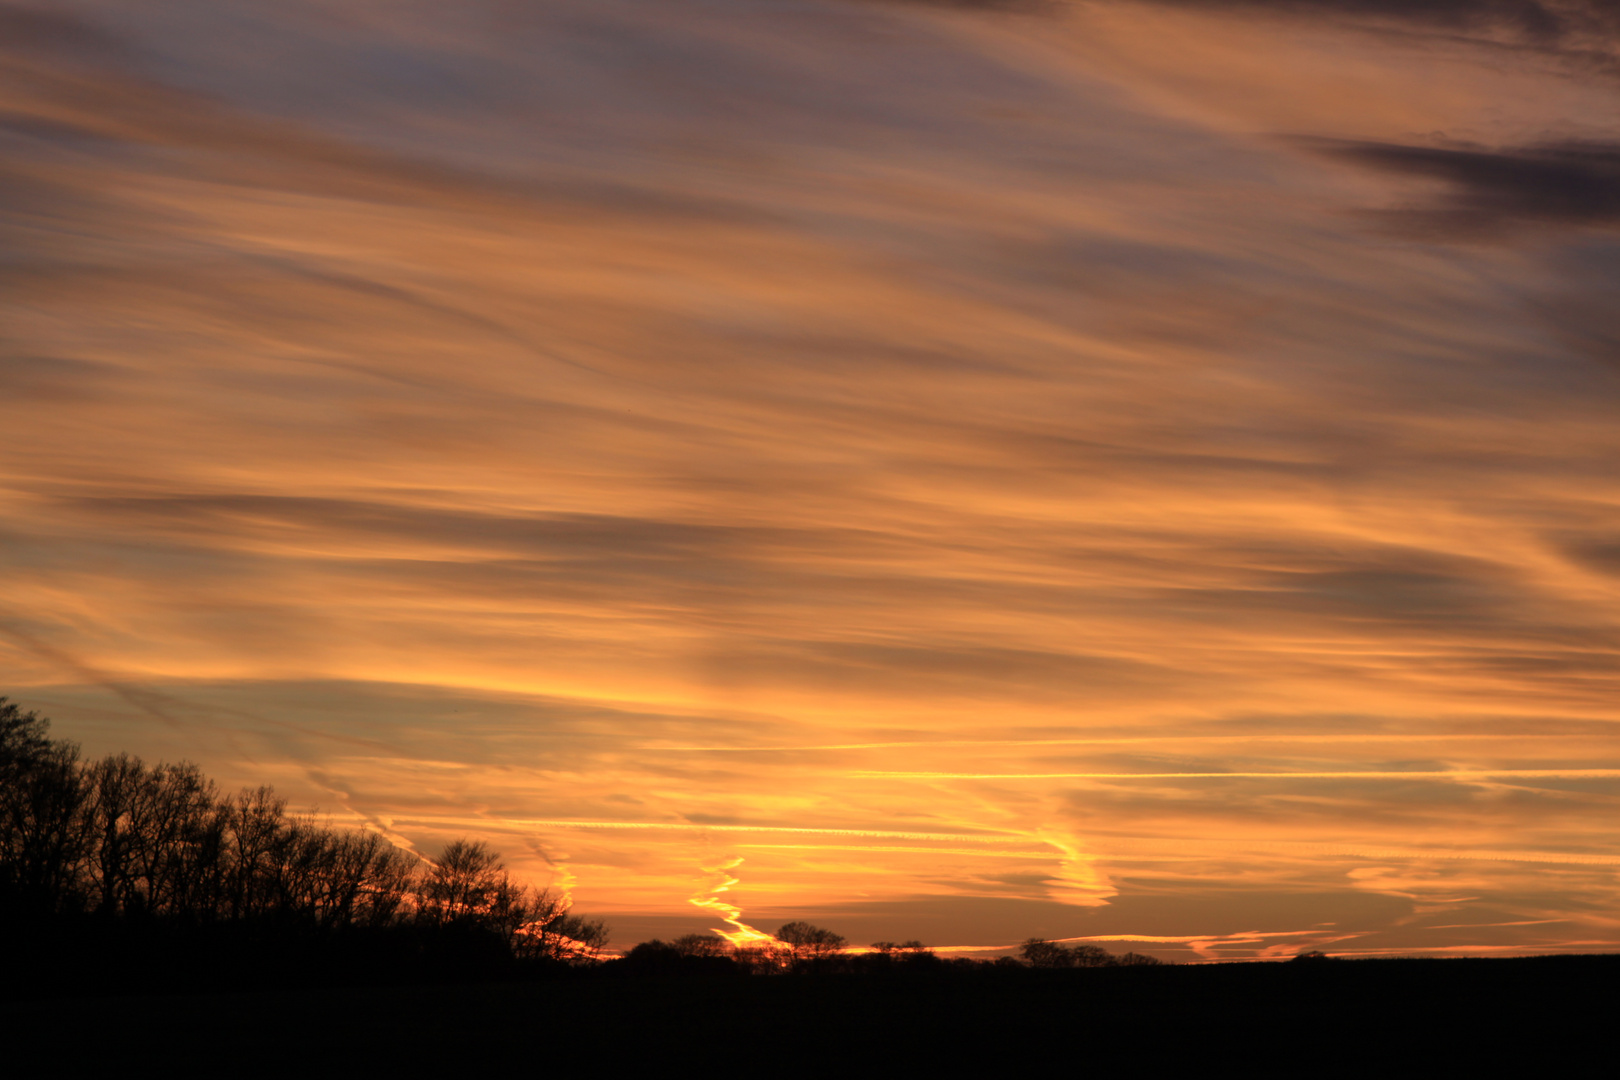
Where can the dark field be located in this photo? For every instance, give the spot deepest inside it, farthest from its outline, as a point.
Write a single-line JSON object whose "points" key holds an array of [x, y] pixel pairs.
{"points": [[1334, 1017]]}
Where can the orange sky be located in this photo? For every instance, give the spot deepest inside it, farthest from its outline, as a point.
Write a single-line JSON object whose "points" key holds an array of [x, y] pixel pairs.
{"points": [[1123, 470]]}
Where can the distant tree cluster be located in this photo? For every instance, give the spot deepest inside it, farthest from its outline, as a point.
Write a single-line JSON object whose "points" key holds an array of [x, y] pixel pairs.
{"points": [[123, 842], [797, 948], [1040, 953], [800, 948]]}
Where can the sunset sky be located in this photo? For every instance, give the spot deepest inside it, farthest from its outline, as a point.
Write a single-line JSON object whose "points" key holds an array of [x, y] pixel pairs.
{"points": [[1138, 471]]}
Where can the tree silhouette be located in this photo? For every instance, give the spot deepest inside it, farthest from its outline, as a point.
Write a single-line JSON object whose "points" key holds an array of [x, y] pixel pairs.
{"points": [[910, 955], [700, 945], [466, 884], [1091, 956], [116, 865], [810, 943], [42, 834], [469, 889], [1135, 959], [1040, 953], [22, 739], [692, 954], [561, 936]]}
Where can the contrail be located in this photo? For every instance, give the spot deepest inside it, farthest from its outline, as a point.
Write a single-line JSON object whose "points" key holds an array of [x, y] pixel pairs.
{"points": [[383, 825], [564, 878], [742, 936], [1237, 938], [1120, 740], [1467, 950], [147, 701], [674, 826], [1189, 847], [167, 707], [1125, 848], [1416, 774], [1078, 874], [974, 852], [1483, 925]]}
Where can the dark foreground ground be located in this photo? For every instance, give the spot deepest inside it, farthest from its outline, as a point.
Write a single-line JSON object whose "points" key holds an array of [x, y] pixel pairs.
{"points": [[1547, 1015]]}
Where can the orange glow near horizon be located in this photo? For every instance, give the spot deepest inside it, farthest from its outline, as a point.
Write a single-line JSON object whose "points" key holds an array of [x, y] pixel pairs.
{"points": [[1112, 472]]}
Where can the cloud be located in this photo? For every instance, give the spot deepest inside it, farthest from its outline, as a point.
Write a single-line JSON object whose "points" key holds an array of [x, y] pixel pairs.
{"points": [[976, 5], [488, 415], [1489, 193], [58, 35], [1542, 22]]}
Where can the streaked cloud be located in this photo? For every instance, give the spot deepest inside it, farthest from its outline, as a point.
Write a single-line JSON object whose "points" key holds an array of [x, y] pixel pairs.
{"points": [[1489, 191], [1087, 471], [1548, 23]]}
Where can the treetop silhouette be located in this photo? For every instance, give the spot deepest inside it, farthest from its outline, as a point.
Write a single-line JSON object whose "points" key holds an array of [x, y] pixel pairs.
{"points": [[133, 845]]}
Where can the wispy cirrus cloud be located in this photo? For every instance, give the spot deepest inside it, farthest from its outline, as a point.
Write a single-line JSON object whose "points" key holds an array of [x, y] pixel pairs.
{"points": [[973, 469]]}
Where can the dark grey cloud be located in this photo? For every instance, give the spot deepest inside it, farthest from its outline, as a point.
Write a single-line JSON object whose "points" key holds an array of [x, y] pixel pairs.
{"points": [[1541, 22], [977, 5], [57, 36], [1603, 557], [1486, 192]]}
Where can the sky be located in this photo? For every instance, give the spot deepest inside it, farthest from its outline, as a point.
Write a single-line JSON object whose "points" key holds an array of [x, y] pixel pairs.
{"points": [[1125, 471]]}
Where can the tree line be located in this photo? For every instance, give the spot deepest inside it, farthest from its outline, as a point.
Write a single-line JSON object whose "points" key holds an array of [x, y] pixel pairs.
{"points": [[799, 947], [116, 866], [88, 845]]}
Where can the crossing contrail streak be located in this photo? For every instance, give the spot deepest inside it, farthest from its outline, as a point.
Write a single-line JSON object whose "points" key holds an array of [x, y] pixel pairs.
{"points": [[982, 853], [1415, 774], [1124, 740], [672, 826]]}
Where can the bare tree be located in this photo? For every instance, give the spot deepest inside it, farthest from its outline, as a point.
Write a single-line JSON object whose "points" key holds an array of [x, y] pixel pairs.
{"points": [[810, 943], [700, 945], [171, 837], [1136, 959], [376, 879], [565, 937], [1091, 956], [462, 886], [901, 949], [134, 842], [469, 887], [23, 739], [255, 823], [1040, 953], [762, 959], [42, 794], [115, 795], [44, 839]]}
